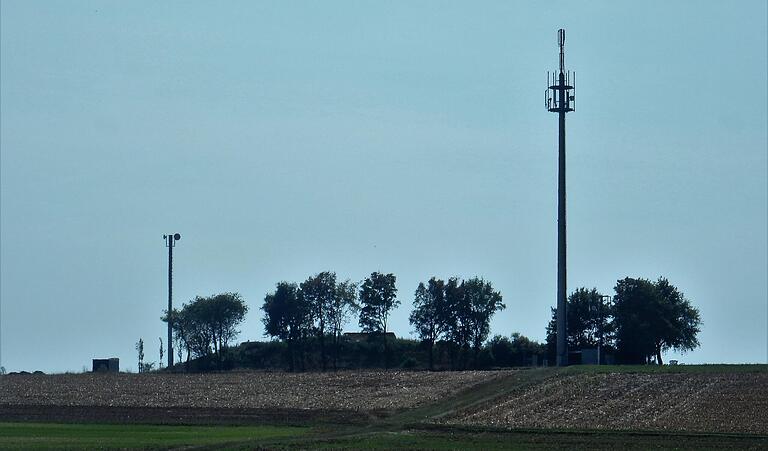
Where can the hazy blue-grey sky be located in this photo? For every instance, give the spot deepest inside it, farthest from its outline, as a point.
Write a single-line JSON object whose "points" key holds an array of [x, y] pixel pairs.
{"points": [[286, 138]]}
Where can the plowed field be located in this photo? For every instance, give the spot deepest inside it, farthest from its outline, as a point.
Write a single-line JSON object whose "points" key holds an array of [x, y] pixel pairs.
{"points": [[703, 399], [365, 390], [680, 402]]}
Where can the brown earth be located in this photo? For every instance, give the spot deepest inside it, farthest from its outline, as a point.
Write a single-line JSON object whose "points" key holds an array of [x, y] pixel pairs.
{"points": [[680, 402], [689, 401], [236, 397], [185, 415]]}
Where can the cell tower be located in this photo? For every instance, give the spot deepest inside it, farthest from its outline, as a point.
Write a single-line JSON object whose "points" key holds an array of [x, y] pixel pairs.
{"points": [[170, 243], [560, 99]]}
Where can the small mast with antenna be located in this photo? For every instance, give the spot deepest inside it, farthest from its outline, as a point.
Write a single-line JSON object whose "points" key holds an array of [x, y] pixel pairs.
{"points": [[561, 43], [559, 98]]}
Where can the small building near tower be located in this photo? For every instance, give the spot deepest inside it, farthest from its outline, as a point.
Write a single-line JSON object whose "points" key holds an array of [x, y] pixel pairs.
{"points": [[111, 365]]}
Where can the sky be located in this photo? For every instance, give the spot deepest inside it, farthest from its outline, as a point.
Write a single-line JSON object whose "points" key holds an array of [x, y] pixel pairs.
{"points": [[281, 139]]}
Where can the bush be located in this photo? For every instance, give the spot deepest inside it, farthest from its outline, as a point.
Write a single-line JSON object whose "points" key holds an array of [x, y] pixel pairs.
{"points": [[409, 363], [485, 359], [502, 350]]}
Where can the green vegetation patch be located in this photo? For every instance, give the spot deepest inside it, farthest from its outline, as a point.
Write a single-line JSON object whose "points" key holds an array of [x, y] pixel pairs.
{"points": [[89, 436], [707, 368], [462, 440]]}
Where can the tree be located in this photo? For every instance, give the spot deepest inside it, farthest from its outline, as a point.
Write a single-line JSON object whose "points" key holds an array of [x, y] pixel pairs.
{"points": [[319, 292], [458, 319], [191, 325], [224, 312], [587, 321], [181, 328], [652, 318], [682, 322], [287, 316], [635, 311], [470, 307], [206, 325], [377, 296], [340, 311], [140, 350], [585, 317], [200, 336], [161, 352], [501, 350], [429, 314], [378, 299], [483, 302], [516, 350], [190, 331], [179, 346], [144, 367]]}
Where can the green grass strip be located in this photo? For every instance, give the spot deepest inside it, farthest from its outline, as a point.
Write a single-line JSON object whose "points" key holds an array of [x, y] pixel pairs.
{"points": [[655, 369], [541, 440], [107, 436]]}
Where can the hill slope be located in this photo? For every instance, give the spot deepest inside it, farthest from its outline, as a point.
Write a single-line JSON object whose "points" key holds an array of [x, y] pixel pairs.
{"points": [[707, 401]]}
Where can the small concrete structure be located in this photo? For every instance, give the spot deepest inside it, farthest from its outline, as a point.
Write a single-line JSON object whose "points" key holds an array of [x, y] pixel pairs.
{"points": [[106, 365], [589, 356]]}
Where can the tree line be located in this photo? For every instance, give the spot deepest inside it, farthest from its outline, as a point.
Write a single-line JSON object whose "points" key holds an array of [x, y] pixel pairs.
{"points": [[450, 318], [321, 307], [637, 324], [458, 311]]}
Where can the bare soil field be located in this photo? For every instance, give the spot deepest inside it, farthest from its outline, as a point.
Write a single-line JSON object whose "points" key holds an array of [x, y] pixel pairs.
{"points": [[672, 402], [707, 399], [236, 397]]}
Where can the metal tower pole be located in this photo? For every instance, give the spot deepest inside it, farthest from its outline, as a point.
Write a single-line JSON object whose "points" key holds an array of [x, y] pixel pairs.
{"points": [[562, 345], [170, 302], [170, 242], [559, 99]]}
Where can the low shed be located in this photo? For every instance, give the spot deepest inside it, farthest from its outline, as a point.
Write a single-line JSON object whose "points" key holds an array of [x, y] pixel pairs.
{"points": [[106, 365]]}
